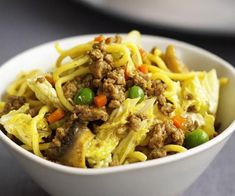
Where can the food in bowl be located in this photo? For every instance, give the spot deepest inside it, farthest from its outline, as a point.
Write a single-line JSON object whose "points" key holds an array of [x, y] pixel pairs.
{"points": [[109, 102]]}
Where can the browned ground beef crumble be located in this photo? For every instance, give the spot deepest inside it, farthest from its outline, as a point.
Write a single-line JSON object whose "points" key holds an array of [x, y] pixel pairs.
{"points": [[13, 103]]}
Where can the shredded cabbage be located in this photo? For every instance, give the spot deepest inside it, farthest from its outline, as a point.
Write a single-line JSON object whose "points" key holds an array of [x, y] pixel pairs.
{"points": [[18, 123], [135, 137], [100, 149], [208, 126], [44, 91], [205, 92], [173, 95]]}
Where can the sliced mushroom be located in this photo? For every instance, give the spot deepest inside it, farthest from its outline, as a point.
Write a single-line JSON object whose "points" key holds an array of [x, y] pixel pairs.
{"points": [[75, 155], [71, 148]]}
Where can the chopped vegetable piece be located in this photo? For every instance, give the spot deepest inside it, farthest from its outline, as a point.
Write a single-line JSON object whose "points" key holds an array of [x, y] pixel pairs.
{"points": [[100, 100], [99, 38], [195, 138], [84, 96], [126, 75], [44, 91], [178, 121], [56, 115], [144, 68], [136, 92]]}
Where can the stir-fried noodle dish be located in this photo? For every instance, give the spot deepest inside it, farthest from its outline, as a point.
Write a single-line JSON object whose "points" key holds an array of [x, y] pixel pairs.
{"points": [[110, 102]]}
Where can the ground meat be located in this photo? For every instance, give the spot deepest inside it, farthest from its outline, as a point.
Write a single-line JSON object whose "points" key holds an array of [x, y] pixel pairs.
{"points": [[114, 87], [96, 83], [99, 45], [108, 58], [13, 103], [85, 81], [34, 111], [161, 100], [114, 103], [70, 88], [188, 96], [192, 108], [135, 120], [96, 54], [106, 79], [142, 80], [167, 109], [113, 90], [162, 134], [101, 63], [90, 113], [100, 68], [175, 135], [157, 153], [157, 88], [118, 75], [129, 83], [189, 125]]}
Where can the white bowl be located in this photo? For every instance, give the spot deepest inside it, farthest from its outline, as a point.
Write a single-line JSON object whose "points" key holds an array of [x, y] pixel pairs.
{"points": [[165, 176]]}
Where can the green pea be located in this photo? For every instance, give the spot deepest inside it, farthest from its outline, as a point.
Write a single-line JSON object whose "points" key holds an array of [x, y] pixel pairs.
{"points": [[195, 138], [136, 92], [84, 96]]}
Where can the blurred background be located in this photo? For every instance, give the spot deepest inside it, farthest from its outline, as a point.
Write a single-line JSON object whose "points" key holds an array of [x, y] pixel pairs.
{"points": [[209, 24]]}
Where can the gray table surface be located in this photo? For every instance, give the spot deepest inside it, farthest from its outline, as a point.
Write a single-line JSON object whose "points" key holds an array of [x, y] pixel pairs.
{"points": [[27, 23]]}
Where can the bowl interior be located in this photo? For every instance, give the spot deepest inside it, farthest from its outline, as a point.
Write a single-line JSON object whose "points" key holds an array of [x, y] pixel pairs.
{"points": [[44, 57]]}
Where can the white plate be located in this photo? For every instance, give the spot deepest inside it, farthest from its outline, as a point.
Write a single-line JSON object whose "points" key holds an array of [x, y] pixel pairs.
{"points": [[201, 16]]}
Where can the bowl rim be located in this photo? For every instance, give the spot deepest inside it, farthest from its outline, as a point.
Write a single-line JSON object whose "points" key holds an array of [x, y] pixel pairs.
{"points": [[134, 166]]}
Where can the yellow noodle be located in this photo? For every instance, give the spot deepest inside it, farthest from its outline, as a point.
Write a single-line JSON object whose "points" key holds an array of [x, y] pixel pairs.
{"points": [[174, 148], [120, 49], [18, 87], [22, 89], [157, 52], [68, 66], [164, 78], [136, 56], [156, 59], [58, 48], [12, 89], [175, 76], [73, 52], [35, 135], [136, 155]]}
